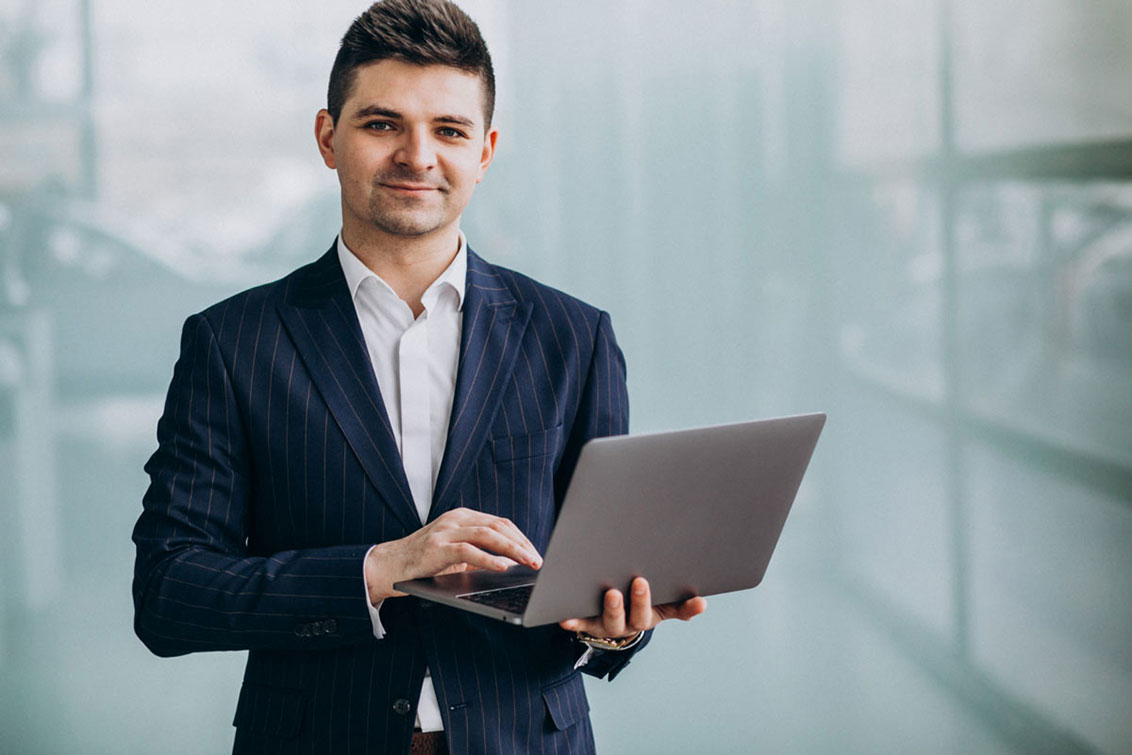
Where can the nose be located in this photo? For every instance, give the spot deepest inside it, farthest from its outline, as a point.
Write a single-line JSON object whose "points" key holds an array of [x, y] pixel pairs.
{"points": [[415, 151]]}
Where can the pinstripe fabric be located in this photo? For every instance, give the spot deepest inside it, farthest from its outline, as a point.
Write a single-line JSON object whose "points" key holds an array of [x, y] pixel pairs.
{"points": [[276, 469]]}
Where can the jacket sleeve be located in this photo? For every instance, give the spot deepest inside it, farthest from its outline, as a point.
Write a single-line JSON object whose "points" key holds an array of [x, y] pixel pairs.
{"points": [[195, 585], [603, 410]]}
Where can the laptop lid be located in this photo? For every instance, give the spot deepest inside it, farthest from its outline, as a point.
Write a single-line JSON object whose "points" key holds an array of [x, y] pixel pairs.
{"points": [[696, 512]]}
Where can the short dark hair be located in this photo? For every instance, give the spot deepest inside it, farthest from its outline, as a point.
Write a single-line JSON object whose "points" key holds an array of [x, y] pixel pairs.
{"points": [[422, 32]]}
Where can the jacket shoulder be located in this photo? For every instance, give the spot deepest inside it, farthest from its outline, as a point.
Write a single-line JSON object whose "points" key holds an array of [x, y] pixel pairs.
{"points": [[545, 299]]}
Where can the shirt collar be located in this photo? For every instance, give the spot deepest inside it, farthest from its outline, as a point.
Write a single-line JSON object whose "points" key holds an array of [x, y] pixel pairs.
{"points": [[454, 276]]}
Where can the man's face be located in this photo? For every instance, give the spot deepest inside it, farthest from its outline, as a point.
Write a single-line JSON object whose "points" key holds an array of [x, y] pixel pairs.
{"points": [[409, 148]]}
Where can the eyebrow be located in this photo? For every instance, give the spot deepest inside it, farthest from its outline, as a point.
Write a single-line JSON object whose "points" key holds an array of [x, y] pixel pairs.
{"points": [[371, 111], [377, 111]]}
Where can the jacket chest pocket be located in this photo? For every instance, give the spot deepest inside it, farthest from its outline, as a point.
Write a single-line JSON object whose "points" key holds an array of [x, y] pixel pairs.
{"points": [[531, 445], [516, 481]]}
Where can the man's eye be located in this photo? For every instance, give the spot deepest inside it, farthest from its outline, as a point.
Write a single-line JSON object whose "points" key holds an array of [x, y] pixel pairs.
{"points": [[452, 133], [379, 125]]}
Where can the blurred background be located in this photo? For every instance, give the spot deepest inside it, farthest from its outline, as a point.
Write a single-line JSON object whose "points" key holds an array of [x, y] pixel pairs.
{"points": [[915, 215]]}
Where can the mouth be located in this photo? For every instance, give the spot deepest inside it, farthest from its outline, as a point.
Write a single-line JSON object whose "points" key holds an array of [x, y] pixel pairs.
{"points": [[412, 189]]}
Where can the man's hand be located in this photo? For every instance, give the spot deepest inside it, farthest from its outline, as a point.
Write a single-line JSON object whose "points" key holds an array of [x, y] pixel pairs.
{"points": [[643, 615], [455, 541]]}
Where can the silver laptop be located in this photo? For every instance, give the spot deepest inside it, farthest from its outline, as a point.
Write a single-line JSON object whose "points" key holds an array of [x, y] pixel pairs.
{"points": [[696, 512]]}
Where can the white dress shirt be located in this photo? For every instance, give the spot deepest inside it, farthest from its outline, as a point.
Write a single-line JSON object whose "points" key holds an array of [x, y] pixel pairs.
{"points": [[415, 361]]}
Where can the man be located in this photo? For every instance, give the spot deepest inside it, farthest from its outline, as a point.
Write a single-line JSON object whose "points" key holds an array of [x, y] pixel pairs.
{"points": [[398, 408]]}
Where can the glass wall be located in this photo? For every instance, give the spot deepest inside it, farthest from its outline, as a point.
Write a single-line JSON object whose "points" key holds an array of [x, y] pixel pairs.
{"points": [[915, 216]]}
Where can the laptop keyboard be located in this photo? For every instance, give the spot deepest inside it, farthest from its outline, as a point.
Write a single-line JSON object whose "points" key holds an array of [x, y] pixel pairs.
{"points": [[513, 599]]}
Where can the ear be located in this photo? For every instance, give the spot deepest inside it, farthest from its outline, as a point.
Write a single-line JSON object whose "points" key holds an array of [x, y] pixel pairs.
{"points": [[488, 152], [324, 135]]}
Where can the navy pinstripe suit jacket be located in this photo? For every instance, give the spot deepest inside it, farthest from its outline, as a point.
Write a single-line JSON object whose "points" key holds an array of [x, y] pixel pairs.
{"points": [[276, 470]]}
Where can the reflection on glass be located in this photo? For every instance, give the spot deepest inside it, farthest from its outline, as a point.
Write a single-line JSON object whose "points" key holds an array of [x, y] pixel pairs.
{"points": [[669, 161], [1045, 311], [887, 80], [890, 271], [1051, 603], [894, 531], [1032, 71]]}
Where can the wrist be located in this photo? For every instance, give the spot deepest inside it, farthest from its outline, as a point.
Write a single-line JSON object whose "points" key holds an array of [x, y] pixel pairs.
{"points": [[380, 574]]}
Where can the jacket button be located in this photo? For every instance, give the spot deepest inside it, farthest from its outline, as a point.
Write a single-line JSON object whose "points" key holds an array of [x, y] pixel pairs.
{"points": [[331, 626], [401, 706]]}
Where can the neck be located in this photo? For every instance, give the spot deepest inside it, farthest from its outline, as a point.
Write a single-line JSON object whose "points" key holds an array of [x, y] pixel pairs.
{"points": [[408, 265]]}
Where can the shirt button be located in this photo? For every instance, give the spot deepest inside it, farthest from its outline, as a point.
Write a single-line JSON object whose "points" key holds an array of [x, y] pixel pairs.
{"points": [[401, 706]]}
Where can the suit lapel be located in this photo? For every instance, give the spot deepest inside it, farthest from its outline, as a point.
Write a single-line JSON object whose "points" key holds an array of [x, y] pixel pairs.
{"points": [[323, 324], [493, 328]]}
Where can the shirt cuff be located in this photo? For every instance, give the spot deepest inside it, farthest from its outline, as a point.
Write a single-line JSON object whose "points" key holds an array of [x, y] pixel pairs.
{"points": [[374, 618]]}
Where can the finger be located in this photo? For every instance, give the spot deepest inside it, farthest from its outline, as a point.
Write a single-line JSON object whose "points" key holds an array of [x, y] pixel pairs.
{"points": [[611, 623], [462, 551], [465, 517], [471, 517], [486, 537], [453, 569], [690, 608], [510, 530], [613, 615], [589, 626], [513, 542], [502, 523], [693, 607], [684, 610], [640, 606]]}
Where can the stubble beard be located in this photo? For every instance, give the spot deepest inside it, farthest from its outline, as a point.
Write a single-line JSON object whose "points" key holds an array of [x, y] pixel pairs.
{"points": [[406, 215]]}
